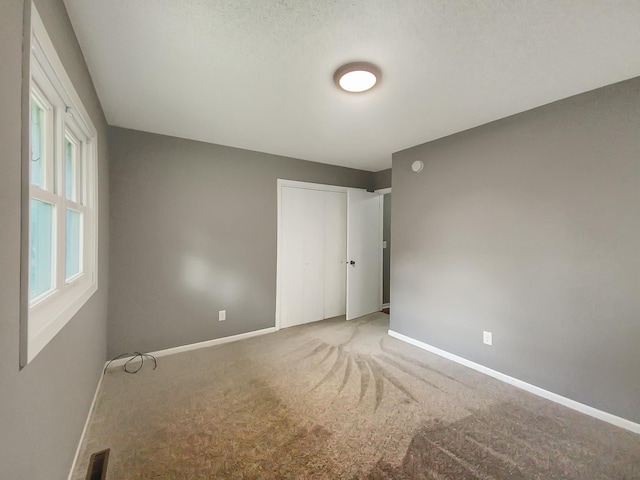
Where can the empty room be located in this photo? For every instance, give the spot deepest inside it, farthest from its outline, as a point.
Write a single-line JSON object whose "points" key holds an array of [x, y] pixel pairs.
{"points": [[295, 239]]}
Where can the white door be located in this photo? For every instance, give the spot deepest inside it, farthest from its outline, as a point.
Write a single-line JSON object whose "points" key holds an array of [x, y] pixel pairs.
{"points": [[335, 254], [313, 254], [364, 253]]}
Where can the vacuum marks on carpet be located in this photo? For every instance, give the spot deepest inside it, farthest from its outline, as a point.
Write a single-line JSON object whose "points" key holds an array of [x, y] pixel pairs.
{"points": [[508, 441], [340, 400], [376, 368]]}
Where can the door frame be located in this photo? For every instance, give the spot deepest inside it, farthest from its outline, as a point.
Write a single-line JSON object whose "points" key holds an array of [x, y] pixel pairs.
{"points": [[382, 192], [279, 268]]}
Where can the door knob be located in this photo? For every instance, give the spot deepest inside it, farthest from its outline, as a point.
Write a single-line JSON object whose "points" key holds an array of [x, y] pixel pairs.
{"points": [[352, 262]]}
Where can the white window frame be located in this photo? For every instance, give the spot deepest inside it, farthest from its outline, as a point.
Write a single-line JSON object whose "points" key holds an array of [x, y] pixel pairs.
{"points": [[67, 118]]}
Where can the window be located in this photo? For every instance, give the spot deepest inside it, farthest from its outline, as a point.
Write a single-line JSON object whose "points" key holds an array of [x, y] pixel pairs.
{"points": [[62, 254]]}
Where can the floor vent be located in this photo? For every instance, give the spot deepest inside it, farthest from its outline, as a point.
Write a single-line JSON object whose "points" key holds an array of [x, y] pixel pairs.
{"points": [[98, 465]]}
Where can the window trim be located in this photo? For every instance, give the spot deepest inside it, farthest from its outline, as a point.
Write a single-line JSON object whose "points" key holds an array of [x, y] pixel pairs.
{"points": [[46, 315]]}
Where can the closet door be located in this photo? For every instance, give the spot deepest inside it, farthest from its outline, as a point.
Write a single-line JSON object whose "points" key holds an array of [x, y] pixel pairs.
{"points": [[313, 250], [292, 255], [302, 255], [335, 254], [313, 230]]}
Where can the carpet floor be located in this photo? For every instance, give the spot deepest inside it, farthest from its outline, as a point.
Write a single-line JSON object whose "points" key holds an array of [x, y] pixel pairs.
{"points": [[339, 400]]}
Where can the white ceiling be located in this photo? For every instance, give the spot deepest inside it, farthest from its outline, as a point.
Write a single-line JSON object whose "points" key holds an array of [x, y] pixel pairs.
{"points": [[258, 74]]}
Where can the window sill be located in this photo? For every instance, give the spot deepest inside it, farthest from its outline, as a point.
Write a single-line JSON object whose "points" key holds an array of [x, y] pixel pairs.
{"points": [[50, 316]]}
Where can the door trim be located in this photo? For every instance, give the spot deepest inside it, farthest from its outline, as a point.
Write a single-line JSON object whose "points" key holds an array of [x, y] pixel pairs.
{"points": [[383, 192]]}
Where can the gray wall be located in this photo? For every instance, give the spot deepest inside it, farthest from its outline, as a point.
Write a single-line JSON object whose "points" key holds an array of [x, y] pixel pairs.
{"points": [[382, 179], [43, 407], [529, 227], [386, 253], [193, 232]]}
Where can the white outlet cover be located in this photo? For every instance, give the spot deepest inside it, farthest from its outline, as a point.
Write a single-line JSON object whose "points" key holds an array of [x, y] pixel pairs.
{"points": [[222, 315], [487, 338]]}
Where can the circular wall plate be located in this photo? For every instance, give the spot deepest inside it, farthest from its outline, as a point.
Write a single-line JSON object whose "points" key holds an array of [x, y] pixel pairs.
{"points": [[417, 166]]}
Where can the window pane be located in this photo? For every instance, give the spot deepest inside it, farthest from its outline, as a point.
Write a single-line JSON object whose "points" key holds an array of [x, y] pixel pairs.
{"points": [[69, 170], [73, 243], [37, 144], [41, 248]]}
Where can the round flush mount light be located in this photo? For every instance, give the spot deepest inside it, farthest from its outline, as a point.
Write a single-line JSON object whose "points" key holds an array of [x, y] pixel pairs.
{"points": [[357, 77], [417, 166]]}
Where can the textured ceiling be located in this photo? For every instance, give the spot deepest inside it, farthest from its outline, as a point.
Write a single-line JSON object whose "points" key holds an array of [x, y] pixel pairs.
{"points": [[258, 74]]}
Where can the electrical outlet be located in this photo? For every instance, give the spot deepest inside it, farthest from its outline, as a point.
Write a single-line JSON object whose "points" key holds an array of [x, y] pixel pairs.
{"points": [[487, 338], [222, 315]]}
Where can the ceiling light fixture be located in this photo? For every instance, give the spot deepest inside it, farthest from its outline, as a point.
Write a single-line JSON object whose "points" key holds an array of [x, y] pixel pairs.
{"points": [[357, 77]]}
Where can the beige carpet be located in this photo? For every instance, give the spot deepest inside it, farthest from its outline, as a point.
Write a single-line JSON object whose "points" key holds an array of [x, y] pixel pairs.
{"points": [[340, 400]]}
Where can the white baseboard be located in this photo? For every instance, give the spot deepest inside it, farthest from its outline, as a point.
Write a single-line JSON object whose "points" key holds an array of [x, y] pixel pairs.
{"points": [[385, 305], [196, 346], [554, 397], [86, 425]]}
